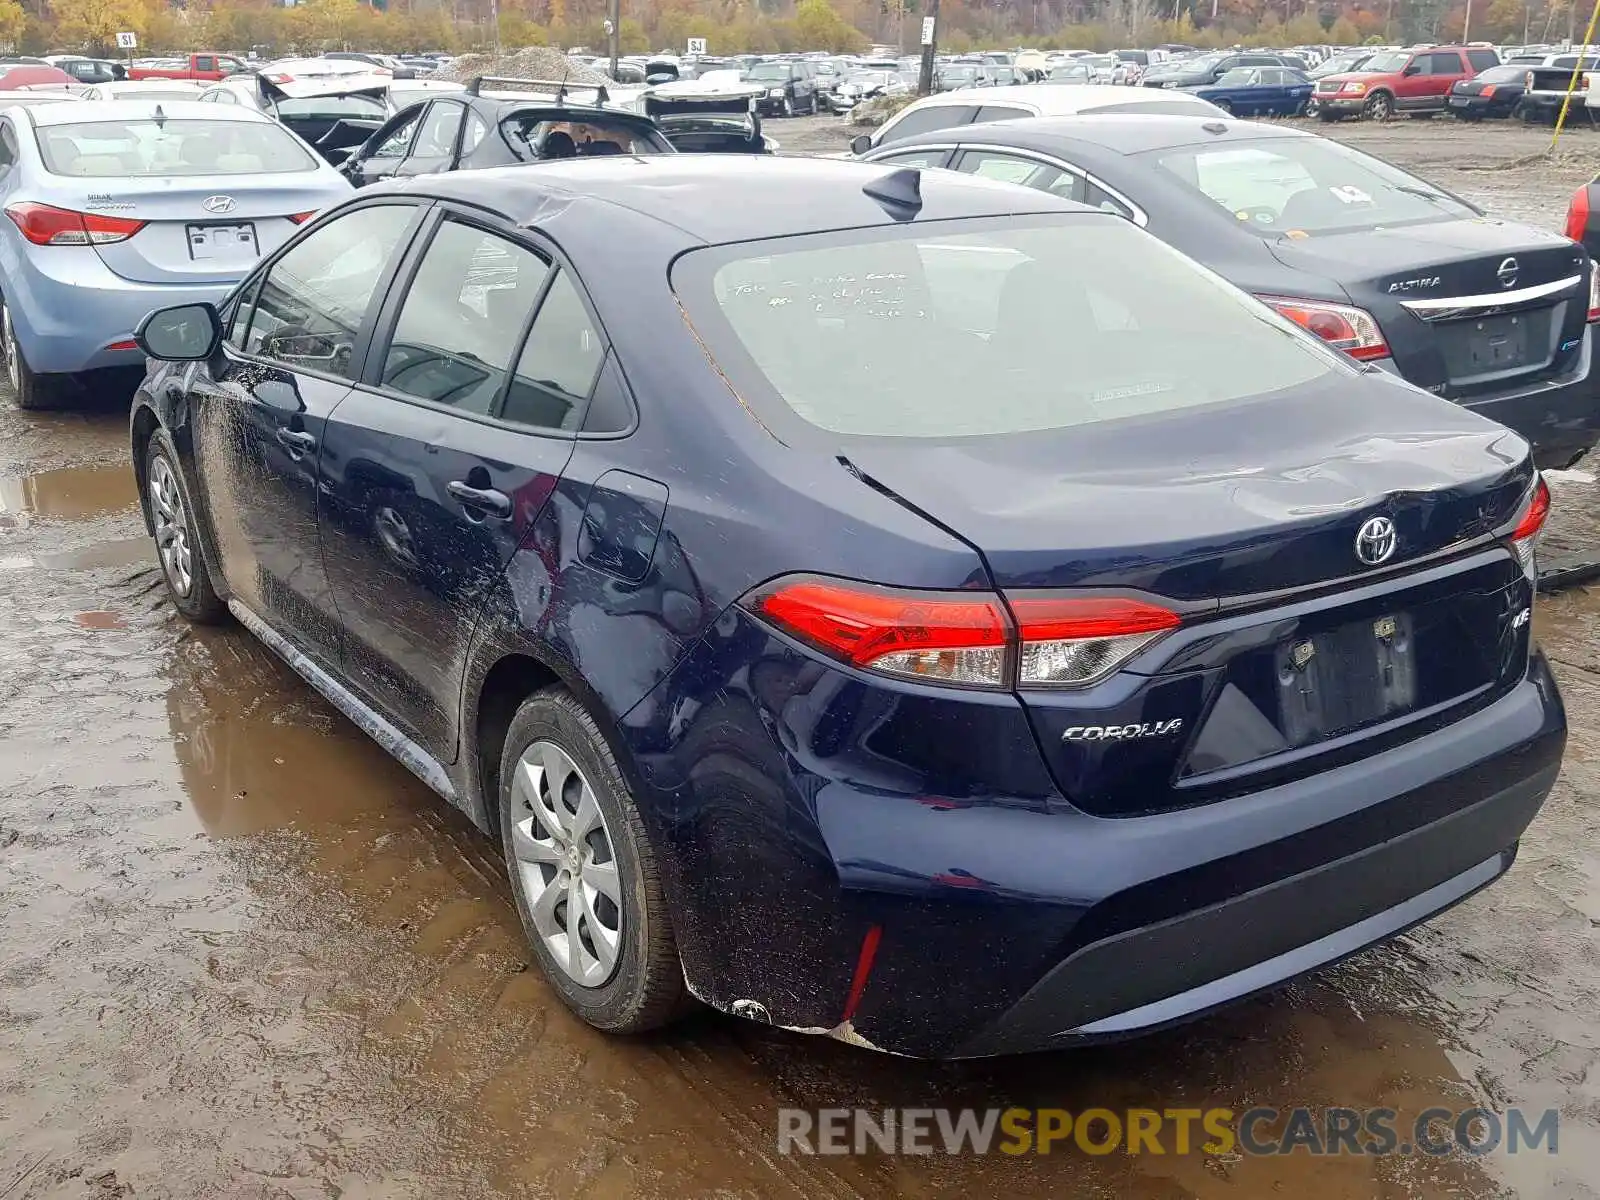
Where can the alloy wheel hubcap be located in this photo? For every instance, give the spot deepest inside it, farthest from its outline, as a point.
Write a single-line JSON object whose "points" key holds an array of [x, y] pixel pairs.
{"points": [[172, 527], [565, 864]]}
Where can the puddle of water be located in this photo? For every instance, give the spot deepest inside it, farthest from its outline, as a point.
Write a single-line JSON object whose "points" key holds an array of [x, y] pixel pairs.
{"points": [[99, 619], [70, 493]]}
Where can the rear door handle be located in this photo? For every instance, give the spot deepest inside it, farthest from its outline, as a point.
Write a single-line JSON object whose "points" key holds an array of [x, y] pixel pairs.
{"points": [[296, 442], [488, 500]]}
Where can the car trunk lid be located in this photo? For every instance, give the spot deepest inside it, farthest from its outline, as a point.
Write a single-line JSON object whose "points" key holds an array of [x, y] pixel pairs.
{"points": [[1466, 306], [208, 231], [1247, 521]]}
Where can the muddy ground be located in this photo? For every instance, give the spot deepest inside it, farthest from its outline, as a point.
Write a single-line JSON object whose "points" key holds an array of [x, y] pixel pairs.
{"points": [[244, 954]]}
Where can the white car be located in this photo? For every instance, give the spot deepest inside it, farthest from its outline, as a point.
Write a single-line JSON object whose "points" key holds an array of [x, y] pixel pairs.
{"points": [[145, 89], [967, 105]]}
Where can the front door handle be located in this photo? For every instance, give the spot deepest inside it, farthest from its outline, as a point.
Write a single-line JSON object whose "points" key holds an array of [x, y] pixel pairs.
{"points": [[296, 442], [488, 500]]}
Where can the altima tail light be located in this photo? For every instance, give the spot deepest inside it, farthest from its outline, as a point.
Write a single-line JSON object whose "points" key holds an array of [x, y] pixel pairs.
{"points": [[1525, 535], [46, 225], [302, 218], [971, 639], [1342, 326], [1578, 213]]}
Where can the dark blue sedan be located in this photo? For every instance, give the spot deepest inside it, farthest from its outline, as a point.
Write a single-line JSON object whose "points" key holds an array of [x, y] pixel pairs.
{"points": [[1258, 92], [875, 602]]}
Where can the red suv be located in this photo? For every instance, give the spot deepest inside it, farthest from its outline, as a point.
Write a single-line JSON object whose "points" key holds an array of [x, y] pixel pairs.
{"points": [[1400, 81]]}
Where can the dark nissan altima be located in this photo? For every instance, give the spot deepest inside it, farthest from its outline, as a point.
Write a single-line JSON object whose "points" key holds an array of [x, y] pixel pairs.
{"points": [[859, 604], [1391, 269]]}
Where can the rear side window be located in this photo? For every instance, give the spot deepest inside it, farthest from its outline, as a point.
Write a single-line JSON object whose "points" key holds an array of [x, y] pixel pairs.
{"points": [[934, 116], [1004, 328], [104, 149], [437, 138], [463, 318], [1482, 60], [556, 371], [315, 298]]}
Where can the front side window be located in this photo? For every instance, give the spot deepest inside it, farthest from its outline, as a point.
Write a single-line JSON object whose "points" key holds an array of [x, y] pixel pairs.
{"points": [[463, 318], [1004, 328], [315, 297], [398, 139], [923, 120], [1442, 63], [174, 147], [1307, 185]]}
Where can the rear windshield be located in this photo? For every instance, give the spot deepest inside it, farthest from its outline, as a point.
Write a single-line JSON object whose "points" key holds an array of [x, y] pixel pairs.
{"points": [[984, 328], [1303, 186], [331, 108], [536, 136], [101, 149], [1501, 75]]}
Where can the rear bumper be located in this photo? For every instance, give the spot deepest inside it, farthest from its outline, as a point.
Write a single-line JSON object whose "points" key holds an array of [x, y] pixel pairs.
{"points": [[1007, 920], [68, 311], [1560, 418]]}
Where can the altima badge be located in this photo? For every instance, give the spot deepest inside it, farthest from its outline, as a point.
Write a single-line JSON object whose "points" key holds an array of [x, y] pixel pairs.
{"points": [[1375, 541]]}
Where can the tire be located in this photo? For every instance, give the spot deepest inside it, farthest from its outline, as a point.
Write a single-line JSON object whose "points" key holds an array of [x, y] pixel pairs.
{"points": [[183, 564], [1311, 109], [34, 392], [1225, 105], [1379, 107], [641, 986]]}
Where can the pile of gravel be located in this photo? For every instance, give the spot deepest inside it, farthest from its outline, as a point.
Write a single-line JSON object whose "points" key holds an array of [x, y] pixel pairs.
{"points": [[531, 62]]}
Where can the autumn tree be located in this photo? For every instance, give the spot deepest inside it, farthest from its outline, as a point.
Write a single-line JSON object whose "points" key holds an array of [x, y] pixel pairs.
{"points": [[13, 21], [94, 24]]}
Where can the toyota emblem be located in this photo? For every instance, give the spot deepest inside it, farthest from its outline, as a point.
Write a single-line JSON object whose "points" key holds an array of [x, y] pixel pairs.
{"points": [[1375, 541], [225, 204], [1506, 273]]}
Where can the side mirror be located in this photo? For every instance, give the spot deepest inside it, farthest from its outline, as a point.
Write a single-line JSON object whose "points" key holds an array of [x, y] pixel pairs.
{"points": [[182, 333], [861, 143]]}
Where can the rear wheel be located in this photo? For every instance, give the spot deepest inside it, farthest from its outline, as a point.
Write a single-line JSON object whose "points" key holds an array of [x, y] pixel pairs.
{"points": [[1379, 107], [583, 872], [33, 391]]}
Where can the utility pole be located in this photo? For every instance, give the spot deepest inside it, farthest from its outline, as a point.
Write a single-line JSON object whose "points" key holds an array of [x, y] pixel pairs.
{"points": [[930, 35], [494, 25], [613, 33], [1466, 25]]}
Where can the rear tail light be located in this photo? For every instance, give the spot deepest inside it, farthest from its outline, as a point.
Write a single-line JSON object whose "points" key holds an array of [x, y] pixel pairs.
{"points": [[1486, 91], [1525, 536], [302, 218], [1578, 213], [1594, 290], [972, 639], [46, 225], [1342, 326]]}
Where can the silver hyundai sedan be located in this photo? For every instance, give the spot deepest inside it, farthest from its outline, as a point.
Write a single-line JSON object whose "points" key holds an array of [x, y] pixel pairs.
{"points": [[120, 207]]}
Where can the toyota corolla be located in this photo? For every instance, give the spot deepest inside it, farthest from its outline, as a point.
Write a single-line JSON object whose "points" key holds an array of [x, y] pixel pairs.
{"points": [[859, 604]]}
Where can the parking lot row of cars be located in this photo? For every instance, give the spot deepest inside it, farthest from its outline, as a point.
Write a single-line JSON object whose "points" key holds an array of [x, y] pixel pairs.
{"points": [[1076, 520]]}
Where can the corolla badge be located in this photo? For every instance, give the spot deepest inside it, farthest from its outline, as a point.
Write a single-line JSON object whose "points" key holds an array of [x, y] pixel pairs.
{"points": [[1375, 541], [1506, 272], [218, 204], [1120, 733]]}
